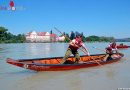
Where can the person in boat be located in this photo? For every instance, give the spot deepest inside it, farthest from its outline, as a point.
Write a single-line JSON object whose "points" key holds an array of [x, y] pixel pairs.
{"points": [[121, 44], [74, 45], [111, 50]]}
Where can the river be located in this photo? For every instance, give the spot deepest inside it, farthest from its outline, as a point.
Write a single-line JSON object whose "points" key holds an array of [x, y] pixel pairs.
{"points": [[108, 77]]}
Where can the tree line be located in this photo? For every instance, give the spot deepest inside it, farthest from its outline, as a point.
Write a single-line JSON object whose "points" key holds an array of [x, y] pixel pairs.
{"points": [[91, 38], [7, 37]]}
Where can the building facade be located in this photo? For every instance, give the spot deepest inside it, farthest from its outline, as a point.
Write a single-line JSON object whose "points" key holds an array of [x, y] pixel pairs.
{"points": [[42, 37]]}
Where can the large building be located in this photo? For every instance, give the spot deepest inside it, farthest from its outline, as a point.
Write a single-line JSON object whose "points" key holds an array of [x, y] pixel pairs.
{"points": [[42, 37]]}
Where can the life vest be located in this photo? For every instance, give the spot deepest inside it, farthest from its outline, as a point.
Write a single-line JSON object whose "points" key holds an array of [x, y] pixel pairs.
{"points": [[78, 43], [112, 46]]}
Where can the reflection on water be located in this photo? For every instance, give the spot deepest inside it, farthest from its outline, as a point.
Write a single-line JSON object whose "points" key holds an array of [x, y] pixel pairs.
{"points": [[33, 48], [107, 77], [41, 50], [3, 51], [110, 74]]}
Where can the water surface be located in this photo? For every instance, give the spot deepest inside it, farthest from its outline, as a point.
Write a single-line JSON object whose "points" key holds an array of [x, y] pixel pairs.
{"points": [[107, 77]]}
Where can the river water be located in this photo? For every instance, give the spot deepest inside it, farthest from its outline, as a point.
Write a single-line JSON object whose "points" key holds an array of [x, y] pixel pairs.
{"points": [[108, 77]]}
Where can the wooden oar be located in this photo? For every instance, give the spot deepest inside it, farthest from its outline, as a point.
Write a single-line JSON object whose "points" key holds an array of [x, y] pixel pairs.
{"points": [[79, 48], [99, 49], [68, 38]]}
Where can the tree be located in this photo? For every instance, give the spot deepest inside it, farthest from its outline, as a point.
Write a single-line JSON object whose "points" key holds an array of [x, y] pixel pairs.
{"points": [[66, 39], [7, 37], [20, 38], [51, 32], [97, 38], [3, 34], [83, 37], [93, 38], [72, 35], [77, 33]]}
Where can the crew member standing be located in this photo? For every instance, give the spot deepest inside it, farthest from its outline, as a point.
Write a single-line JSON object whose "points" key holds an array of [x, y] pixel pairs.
{"points": [[74, 45]]}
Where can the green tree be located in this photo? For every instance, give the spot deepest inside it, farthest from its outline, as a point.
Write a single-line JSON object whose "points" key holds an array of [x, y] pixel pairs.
{"points": [[72, 35], [7, 37], [66, 39], [3, 34], [51, 32], [83, 37], [20, 38], [93, 38]]}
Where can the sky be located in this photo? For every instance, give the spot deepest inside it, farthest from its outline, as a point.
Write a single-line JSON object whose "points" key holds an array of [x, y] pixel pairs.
{"points": [[109, 18]]}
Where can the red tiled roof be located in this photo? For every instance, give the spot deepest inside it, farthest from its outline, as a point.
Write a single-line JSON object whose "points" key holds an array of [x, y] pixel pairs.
{"points": [[53, 35], [41, 33]]}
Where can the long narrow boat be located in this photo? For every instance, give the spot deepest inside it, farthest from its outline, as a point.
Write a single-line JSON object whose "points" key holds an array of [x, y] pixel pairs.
{"points": [[122, 46], [53, 64]]}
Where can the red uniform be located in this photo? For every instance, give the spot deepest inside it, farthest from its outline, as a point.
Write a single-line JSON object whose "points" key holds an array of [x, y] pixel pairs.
{"points": [[73, 49], [76, 44], [112, 47]]}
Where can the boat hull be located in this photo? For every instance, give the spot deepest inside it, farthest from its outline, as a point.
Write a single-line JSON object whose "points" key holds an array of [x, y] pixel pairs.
{"points": [[56, 66], [123, 47]]}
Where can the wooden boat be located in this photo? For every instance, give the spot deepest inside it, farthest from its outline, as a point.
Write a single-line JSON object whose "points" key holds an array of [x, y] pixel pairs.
{"points": [[53, 64], [122, 46]]}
